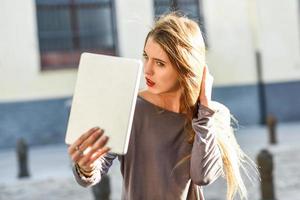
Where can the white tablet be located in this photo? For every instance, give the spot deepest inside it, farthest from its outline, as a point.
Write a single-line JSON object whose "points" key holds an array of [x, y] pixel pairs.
{"points": [[105, 95]]}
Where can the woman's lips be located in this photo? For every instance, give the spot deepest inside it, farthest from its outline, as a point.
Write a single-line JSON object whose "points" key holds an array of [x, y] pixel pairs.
{"points": [[149, 82]]}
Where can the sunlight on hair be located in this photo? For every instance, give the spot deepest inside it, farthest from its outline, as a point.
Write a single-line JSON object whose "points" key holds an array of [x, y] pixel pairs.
{"points": [[234, 159]]}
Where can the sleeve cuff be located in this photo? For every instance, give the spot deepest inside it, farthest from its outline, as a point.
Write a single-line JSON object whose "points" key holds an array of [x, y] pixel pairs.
{"points": [[205, 111], [92, 178], [202, 123]]}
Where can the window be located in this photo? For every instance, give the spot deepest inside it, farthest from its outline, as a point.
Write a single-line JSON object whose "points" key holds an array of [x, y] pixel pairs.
{"points": [[191, 8], [68, 27]]}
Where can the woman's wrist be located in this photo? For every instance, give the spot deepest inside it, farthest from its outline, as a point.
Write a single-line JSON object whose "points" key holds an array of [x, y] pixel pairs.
{"points": [[205, 103], [87, 172]]}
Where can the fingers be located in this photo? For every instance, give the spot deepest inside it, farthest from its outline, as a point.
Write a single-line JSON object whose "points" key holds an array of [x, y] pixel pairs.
{"points": [[91, 139], [89, 147], [97, 155], [94, 151], [81, 139], [206, 77], [100, 143], [206, 87], [203, 79], [88, 161], [78, 149], [76, 156]]}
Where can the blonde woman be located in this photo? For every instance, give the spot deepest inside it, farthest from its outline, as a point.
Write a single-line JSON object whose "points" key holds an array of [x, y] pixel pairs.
{"points": [[180, 139]]}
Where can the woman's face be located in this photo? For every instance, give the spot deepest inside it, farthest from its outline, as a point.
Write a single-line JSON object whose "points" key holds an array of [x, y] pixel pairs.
{"points": [[160, 75]]}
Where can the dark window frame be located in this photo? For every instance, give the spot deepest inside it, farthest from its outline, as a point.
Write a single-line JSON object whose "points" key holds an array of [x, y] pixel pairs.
{"points": [[174, 5], [62, 59]]}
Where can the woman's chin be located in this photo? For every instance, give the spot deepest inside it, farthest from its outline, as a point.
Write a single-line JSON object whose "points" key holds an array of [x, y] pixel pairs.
{"points": [[152, 90]]}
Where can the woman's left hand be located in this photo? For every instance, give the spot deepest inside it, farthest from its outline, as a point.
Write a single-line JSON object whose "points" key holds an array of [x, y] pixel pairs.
{"points": [[206, 88]]}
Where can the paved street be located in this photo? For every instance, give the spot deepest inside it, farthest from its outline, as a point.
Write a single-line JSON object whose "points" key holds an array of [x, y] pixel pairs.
{"points": [[51, 176]]}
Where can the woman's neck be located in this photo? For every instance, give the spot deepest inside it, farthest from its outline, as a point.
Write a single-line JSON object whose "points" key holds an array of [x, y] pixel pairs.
{"points": [[169, 101]]}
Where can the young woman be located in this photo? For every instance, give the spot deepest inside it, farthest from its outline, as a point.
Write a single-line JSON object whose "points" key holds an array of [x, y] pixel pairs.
{"points": [[180, 139]]}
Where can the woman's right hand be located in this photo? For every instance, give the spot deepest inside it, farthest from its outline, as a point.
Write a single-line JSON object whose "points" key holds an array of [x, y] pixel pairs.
{"points": [[88, 148]]}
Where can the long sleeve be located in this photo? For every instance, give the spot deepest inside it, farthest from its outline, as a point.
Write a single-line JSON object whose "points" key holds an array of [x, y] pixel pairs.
{"points": [[102, 166], [206, 161]]}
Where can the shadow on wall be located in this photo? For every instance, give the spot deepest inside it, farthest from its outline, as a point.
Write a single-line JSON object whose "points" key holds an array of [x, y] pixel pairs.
{"points": [[282, 101], [45, 121], [38, 122]]}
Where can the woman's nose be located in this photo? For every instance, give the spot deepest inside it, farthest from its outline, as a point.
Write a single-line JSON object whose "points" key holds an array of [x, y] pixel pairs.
{"points": [[148, 68]]}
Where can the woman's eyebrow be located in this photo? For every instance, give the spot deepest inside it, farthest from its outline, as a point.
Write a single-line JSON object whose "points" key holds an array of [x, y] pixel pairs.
{"points": [[157, 59]]}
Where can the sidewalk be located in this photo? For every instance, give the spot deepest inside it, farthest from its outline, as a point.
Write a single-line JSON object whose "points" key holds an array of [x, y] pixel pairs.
{"points": [[286, 158], [51, 177]]}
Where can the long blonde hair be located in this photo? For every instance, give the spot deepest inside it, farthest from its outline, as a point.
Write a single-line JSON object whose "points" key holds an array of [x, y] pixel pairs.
{"points": [[181, 39]]}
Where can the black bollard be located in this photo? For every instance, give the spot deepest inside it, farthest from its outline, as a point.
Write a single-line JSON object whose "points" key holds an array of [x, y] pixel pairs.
{"points": [[272, 122], [265, 163], [22, 152], [101, 190]]}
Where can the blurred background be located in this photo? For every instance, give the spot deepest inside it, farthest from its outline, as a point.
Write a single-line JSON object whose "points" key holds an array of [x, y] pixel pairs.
{"points": [[253, 52]]}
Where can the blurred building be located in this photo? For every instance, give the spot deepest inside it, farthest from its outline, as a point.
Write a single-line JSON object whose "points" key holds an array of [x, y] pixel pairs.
{"points": [[253, 53]]}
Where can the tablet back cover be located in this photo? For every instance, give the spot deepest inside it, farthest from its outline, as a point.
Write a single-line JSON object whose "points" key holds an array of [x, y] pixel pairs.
{"points": [[105, 96]]}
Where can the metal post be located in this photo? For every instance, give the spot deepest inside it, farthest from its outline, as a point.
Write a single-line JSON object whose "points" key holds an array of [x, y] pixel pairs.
{"points": [[271, 122], [22, 152], [265, 163]]}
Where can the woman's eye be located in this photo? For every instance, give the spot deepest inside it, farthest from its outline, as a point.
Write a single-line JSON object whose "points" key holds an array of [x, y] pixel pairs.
{"points": [[160, 64], [145, 56]]}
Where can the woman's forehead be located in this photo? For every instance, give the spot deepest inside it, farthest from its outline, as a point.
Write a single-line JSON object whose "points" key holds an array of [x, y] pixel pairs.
{"points": [[153, 49]]}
